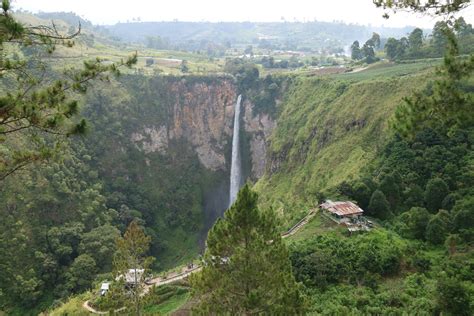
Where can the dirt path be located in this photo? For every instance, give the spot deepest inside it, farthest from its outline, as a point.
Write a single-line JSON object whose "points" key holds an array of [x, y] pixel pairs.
{"points": [[170, 278], [300, 224], [174, 276], [358, 70], [92, 310]]}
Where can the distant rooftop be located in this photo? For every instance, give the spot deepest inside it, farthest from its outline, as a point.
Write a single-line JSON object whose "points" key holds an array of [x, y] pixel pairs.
{"points": [[345, 208]]}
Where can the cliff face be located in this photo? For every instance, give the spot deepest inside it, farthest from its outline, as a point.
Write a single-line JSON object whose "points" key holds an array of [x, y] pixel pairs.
{"points": [[201, 114], [162, 148], [260, 127]]}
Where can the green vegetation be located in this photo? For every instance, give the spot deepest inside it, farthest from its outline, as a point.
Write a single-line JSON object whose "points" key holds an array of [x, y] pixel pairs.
{"points": [[328, 130], [384, 70], [318, 225], [446, 104], [331, 259], [416, 46], [418, 185], [379, 272], [62, 252], [45, 251], [434, 165], [130, 261], [72, 307], [367, 52], [396, 138], [246, 268], [437, 120], [166, 299], [36, 114], [379, 205]]}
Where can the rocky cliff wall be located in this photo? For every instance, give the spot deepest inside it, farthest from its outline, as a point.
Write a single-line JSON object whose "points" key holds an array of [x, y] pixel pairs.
{"points": [[201, 113]]}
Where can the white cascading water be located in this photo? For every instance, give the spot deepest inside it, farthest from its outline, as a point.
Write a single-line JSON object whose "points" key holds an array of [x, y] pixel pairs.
{"points": [[235, 163]]}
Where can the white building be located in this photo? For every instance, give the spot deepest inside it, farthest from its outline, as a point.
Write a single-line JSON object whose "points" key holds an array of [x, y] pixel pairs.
{"points": [[104, 288]]}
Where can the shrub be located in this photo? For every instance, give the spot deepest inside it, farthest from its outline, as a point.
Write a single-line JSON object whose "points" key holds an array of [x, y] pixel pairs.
{"points": [[379, 206], [438, 228], [436, 191]]}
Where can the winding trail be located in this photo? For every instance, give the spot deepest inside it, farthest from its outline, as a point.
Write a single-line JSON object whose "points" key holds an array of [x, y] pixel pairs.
{"points": [[91, 309], [176, 276]]}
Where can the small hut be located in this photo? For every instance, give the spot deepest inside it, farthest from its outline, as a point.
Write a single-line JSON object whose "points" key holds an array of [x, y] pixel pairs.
{"points": [[104, 288], [343, 212]]}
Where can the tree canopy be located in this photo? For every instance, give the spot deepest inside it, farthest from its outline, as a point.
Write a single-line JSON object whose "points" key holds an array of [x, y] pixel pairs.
{"points": [[131, 259], [447, 103], [246, 267], [39, 107], [433, 7]]}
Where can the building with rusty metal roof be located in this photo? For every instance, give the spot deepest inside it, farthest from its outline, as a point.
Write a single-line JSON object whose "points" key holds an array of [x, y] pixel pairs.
{"points": [[342, 209], [346, 213]]}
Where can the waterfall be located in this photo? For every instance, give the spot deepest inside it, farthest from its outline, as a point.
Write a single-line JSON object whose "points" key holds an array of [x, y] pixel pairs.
{"points": [[235, 164]]}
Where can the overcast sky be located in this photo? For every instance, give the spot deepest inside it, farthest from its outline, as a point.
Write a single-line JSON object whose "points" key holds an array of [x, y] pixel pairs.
{"points": [[112, 11]]}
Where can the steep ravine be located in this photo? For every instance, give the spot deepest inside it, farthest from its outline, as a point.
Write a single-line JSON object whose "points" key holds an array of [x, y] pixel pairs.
{"points": [[162, 145]]}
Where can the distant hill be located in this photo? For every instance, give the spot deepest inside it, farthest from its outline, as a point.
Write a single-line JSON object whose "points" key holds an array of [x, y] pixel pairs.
{"points": [[294, 35], [191, 36], [68, 17]]}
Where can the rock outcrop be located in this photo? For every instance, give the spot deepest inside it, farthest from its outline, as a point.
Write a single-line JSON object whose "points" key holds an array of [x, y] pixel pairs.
{"points": [[151, 139], [260, 127], [201, 113]]}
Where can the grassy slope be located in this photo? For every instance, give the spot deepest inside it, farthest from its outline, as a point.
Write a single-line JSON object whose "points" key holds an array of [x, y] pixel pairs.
{"points": [[329, 129], [72, 306], [316, 226], [168, 306]]}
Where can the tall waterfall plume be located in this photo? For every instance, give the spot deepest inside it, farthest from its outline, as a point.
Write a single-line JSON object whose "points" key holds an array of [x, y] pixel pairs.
{"points": [[235, 172]]}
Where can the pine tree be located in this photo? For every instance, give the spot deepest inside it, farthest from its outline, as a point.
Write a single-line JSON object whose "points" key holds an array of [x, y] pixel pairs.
{"points": [[132, 255], [246, 266], [445, 105], [37, 114], [432, 7]]}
